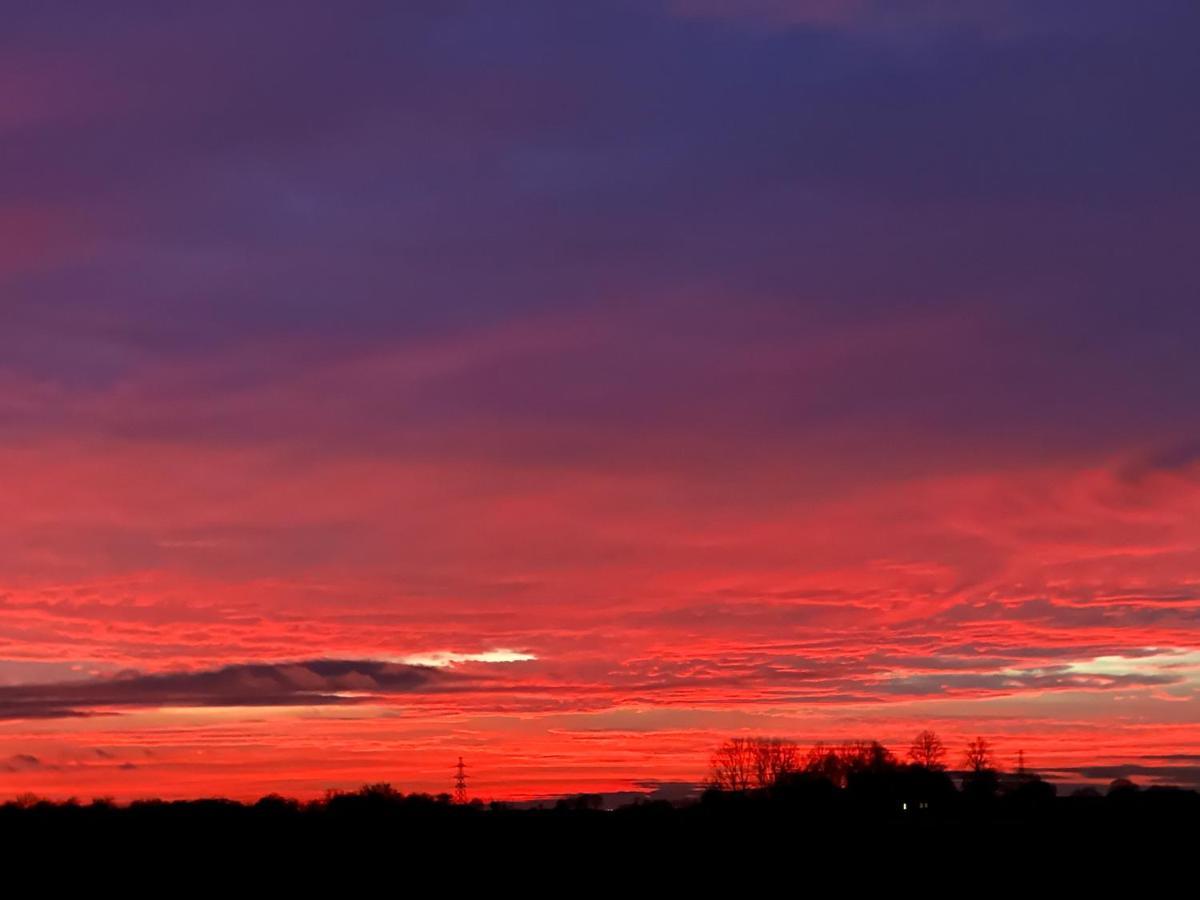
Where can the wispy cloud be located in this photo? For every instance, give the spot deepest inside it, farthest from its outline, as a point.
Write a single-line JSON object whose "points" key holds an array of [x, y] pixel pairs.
{"points": [[446, 658]]}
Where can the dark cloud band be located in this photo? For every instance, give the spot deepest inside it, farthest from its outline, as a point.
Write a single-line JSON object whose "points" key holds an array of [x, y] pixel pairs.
{"points": [[311, 683]]}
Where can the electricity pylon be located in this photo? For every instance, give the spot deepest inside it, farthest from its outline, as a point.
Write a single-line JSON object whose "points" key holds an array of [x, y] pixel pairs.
{"points": [[460, 782]]}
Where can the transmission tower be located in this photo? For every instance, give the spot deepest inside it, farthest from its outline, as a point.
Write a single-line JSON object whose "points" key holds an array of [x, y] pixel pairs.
{"points": [[460, 782]]}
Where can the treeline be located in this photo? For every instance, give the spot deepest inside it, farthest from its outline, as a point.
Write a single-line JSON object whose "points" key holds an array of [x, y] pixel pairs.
{"points": [[864, 780], [847, 783], [742, 764], [750, 779]]}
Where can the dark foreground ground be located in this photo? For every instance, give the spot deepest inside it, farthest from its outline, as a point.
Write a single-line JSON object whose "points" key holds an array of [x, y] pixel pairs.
{"points": [[814, 829]]}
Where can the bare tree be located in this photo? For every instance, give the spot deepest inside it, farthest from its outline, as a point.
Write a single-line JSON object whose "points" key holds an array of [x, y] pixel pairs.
{"points": [[732, 765], [979, 757], [742, 763], [928, 750], [773, 758]]}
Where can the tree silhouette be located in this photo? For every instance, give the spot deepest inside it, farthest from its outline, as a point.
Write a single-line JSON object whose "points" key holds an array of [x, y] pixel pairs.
{"points": [[742, 763], [981, 783], [823, 761], [773, 758], [733, 765], [856, 788], [839, 763], [928, 750], [978, 757], [580, 802], [865, 756], [1122, 786]]}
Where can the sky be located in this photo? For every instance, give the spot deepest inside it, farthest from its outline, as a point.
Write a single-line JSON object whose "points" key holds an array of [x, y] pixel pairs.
{"points": [[571, 386]]}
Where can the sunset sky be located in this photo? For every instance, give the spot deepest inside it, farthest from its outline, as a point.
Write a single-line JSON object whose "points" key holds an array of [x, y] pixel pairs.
{"points": [[571, 385]]}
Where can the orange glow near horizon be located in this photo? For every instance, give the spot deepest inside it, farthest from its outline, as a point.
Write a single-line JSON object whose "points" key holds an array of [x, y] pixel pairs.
{"points": [[1035, 607]]}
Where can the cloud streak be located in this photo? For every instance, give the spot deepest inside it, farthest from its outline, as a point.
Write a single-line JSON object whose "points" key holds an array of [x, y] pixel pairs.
{"points": [[310, 683]]}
